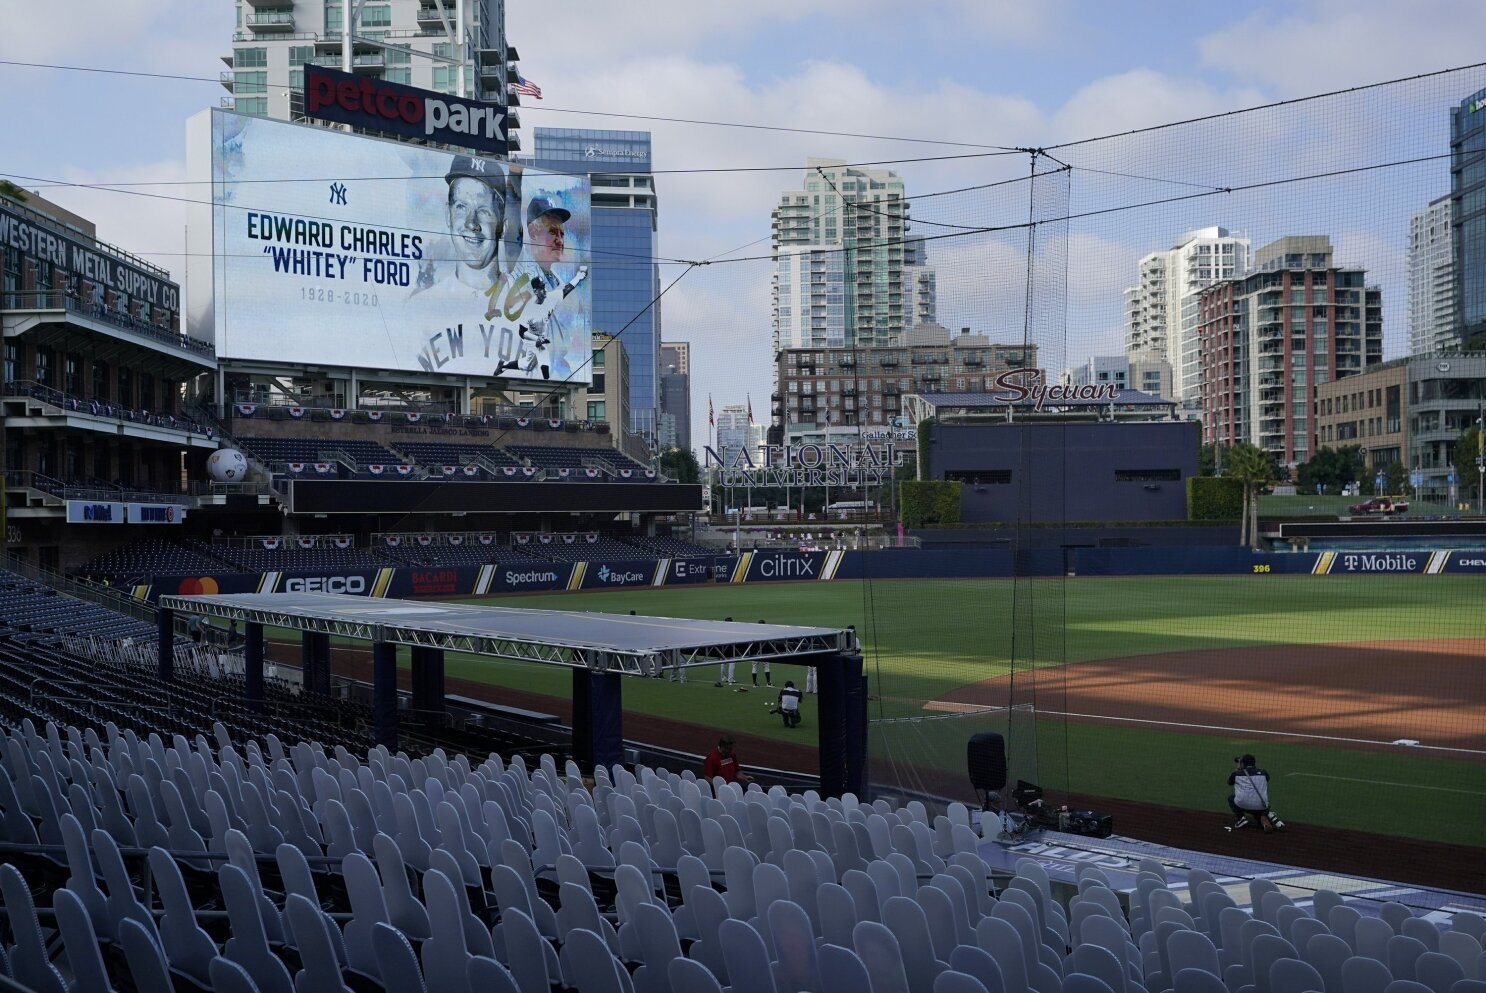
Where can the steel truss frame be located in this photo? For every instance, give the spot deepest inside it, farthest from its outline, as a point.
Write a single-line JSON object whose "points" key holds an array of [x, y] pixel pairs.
{"points": [[571, 655]]}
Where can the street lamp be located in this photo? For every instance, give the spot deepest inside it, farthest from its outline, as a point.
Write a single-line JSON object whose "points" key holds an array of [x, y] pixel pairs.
{"points": [[1481, 462]]}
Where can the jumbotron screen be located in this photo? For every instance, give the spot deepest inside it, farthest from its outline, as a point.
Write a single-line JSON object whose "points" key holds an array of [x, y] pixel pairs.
{"points": [[337, 249]]}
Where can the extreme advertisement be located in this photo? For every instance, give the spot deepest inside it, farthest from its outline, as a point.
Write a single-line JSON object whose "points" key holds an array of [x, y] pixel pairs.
{"points": [[336, 249]]}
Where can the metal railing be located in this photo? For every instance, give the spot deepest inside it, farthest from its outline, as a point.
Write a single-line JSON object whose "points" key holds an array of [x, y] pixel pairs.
{"points": [[71, 232], [102, 408], [105, 596], [19, 479], [58, 300]]}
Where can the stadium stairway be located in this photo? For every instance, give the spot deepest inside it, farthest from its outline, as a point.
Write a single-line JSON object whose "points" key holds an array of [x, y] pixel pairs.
{"points": [[161, 865]]}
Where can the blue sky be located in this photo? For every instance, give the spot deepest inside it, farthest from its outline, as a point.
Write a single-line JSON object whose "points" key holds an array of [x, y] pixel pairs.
{"points": [[994, 71]]}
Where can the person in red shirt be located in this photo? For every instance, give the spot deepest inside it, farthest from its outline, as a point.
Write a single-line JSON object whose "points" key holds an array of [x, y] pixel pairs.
{"points": [[721, 762]]}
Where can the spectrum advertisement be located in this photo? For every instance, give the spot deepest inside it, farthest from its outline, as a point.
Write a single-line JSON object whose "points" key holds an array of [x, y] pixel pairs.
{"points": [[338, 249]]}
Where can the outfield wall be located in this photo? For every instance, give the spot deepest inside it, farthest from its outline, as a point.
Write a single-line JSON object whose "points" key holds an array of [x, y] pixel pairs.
{"points": [[794, 566]]}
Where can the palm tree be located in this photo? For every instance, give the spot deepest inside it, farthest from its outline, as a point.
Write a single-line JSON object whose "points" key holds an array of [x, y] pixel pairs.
{"points": [[1250, 466], [12, 191]]}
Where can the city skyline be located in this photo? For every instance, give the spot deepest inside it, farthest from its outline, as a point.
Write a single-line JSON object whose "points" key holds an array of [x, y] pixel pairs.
{"points": [[1054, 77]]}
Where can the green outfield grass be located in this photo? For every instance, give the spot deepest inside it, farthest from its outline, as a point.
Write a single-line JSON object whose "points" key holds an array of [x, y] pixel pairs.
{"points": [[923, 638]]}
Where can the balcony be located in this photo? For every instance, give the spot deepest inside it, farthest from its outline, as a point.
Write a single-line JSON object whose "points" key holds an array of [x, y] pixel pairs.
{"points": [[75, 307], [65, 403], [225, 78], [371, 62], [430, 16], [271, 21]]}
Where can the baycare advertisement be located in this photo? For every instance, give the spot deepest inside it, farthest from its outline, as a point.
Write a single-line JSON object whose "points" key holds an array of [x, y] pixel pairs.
{"points": [[338, 249]]}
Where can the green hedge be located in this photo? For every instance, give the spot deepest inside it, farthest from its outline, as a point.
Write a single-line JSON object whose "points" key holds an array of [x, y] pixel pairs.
{"points": [[1214, 498], [922, 503]]}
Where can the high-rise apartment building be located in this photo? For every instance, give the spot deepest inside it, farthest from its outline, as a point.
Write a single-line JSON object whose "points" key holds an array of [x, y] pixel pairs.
{"points": [[414, 42], [1267, 339], [846, 391], [1147, 374], [675, 394], [840, 248], [1162, 312], [735, 434], [920, 285], [625, 279], [1433, 326], [1468, 218]]}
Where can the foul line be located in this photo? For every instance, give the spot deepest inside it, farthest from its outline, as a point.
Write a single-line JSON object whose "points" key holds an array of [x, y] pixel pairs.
{"points": [[1275, 734], [1375, 782]]}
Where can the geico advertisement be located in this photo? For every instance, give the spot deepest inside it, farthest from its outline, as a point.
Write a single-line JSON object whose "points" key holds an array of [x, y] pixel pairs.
{"points": [[339, 249]]}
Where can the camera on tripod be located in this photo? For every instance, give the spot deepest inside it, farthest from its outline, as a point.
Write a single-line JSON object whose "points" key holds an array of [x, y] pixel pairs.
{"points": [[1089, 823]]}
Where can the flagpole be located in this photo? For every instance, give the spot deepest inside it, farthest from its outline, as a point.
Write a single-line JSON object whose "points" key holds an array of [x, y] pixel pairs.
{"points": [[749, 444], [825, 510]]}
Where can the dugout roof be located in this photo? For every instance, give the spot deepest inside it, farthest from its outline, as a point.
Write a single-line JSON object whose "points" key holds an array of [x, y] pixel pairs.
{"points": [[620, 643]]}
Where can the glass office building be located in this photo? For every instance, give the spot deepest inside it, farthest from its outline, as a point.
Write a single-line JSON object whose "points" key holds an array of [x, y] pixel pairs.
{"points": [[1468, 196], [625, 280]]}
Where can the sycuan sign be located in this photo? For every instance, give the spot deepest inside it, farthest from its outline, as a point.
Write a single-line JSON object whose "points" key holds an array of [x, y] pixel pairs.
{"points": [[1019, 386]]}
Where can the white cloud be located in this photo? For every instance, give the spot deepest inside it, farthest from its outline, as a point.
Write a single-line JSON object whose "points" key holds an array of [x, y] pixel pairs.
{"points": [[174, 35], [1332, 44], [149, 222]]}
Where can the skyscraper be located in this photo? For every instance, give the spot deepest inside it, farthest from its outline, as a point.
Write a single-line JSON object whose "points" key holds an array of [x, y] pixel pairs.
{"points": [[1269, 338], [840, 248], [1432, 315], [625, 277], [734, 434], [1468, 220], [415, 42], [1162, 312], [920, 285], [675, 392]]}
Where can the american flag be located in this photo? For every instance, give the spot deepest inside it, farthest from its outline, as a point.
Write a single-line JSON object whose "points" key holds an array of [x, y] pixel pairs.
{"points": [[750, 409], [526, 87], [711, 414]]}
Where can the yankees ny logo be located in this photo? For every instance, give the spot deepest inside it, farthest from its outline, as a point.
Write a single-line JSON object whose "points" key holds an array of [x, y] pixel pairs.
{"points": [[338, 193]]}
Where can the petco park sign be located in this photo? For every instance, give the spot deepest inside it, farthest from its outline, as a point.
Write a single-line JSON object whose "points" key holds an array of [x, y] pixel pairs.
{"points": [[806, 465], [402, 110]]}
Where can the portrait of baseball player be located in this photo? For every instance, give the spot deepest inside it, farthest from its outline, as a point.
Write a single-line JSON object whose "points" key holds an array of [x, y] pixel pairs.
{"points": [[475, 218]]}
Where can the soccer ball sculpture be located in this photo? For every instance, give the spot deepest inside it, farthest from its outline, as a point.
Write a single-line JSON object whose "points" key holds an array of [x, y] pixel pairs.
{"points": [[227, 465]]}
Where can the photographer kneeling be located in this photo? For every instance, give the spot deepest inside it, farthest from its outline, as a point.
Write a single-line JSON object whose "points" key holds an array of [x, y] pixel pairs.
{"points": [[1250, 796]]}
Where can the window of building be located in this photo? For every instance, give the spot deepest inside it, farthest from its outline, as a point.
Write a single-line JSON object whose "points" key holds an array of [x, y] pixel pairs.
{"points": [[72, 375], [250, 58], [1148, 475], [396, 58], [251, 105], [980, 477], [335, 17], [296, 79], [12, 360], [445, 78], [396, 75], [300, 54], [12, 278], [443, 49], [596, 410], [44, 365], [252, 82], [376, 16], [124, 395]]}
